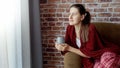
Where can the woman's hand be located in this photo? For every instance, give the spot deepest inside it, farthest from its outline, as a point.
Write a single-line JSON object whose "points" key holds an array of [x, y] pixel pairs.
{"points": [[62, 47]]}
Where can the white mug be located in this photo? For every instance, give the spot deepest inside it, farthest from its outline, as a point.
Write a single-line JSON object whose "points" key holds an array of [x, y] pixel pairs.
{"points": [[60, 40]]}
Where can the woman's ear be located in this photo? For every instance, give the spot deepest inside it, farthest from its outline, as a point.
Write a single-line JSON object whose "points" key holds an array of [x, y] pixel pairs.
{"points": [[82, 17]]}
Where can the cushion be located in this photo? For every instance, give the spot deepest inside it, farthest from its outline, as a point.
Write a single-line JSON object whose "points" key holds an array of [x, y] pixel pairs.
{"points": [[72, 60]]}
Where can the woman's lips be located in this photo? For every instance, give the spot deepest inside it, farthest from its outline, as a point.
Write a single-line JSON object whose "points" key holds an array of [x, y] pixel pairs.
{"points": [[70, 20]]}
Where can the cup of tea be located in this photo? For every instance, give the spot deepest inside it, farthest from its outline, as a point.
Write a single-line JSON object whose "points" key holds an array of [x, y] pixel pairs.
{"points": [[60, 40]]}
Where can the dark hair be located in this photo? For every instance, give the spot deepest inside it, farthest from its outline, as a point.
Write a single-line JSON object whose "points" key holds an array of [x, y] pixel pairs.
{"points": [[83, 11], [85, 22]]}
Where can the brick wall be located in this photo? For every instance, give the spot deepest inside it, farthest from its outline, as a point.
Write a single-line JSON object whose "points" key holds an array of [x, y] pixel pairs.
{"points": [[54, 19]]}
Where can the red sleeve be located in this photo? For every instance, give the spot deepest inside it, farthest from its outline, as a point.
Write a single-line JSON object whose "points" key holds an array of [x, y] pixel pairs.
{"points": [[67, 35], [67, 38], [92, 46]]}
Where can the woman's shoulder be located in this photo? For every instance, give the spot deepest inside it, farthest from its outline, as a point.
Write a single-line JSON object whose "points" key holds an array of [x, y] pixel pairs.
{"points": [[92, 27]]}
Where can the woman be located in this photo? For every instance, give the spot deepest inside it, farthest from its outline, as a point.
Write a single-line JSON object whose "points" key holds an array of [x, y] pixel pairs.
{"points": [[83, 39]]}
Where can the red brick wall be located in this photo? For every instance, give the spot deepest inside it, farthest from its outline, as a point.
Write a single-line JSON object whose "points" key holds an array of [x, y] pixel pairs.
{"points": [[54, 19]]}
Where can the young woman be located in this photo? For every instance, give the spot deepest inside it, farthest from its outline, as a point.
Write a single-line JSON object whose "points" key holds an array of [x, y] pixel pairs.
{"points": [[83, 39]]}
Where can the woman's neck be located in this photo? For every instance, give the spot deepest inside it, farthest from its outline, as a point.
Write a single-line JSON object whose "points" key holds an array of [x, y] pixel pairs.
{"points": [[77, 27], [77, 30]]}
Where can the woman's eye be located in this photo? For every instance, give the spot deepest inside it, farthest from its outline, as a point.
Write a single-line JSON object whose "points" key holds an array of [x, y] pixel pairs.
{"points": [[74, 14]]}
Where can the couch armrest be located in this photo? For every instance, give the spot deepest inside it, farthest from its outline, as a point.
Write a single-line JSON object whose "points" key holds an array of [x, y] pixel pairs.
{"points": [[72, 60]]}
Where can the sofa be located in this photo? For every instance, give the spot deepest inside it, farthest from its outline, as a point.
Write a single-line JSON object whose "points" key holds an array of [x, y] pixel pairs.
{"points": [[108, 31]]}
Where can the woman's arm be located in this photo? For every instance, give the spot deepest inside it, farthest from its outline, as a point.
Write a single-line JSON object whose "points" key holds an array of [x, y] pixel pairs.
{"points": [[66, 47], [77, 51]]}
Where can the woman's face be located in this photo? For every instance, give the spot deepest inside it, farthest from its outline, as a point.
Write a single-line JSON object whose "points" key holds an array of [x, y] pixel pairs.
{"points": [[74, 16]]}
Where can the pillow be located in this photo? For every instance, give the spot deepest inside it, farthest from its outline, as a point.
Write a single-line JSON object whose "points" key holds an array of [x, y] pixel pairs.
{"points": [[72, 60]]}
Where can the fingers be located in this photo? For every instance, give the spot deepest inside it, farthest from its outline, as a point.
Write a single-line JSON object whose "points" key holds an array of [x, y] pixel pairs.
{"points": [[61, 47], [56, 46], [65, 48]]}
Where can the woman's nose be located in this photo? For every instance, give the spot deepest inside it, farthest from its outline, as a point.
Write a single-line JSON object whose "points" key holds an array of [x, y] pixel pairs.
{"points": [[70, 16]]}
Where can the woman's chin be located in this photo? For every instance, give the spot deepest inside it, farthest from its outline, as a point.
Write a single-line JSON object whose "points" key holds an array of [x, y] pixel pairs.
{"points": [[71, 23]]}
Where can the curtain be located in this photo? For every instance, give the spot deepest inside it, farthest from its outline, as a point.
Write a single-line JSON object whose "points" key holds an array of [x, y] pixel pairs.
{"points": [[10, 34]]}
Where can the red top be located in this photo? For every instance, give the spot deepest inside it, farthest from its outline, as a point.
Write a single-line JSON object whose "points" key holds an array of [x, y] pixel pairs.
{"points": [[94, 47]]}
